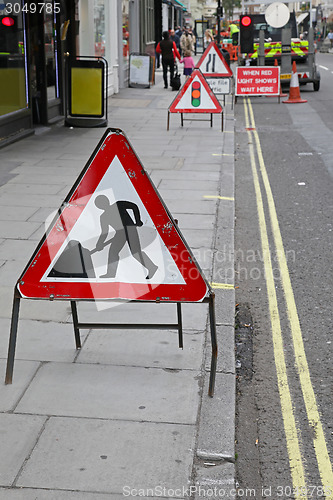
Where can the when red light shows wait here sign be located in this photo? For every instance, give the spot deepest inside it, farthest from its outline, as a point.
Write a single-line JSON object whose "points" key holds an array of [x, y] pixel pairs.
{"points": [[258, 80]]}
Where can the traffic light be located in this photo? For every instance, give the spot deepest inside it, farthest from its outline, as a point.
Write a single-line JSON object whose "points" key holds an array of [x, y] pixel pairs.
{"points": [[246, 34], [196, 94], [8, 34]]}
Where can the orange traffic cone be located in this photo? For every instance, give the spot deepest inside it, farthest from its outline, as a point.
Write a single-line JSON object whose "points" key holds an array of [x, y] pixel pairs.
{"points": [[294, 93]]}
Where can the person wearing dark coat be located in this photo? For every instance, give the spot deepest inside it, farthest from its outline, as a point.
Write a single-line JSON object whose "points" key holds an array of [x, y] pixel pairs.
{"points": [[169, 52], [175, 38]]}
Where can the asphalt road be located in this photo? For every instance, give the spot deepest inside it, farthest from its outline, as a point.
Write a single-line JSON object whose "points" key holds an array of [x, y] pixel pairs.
{"points": [[285, 419]]}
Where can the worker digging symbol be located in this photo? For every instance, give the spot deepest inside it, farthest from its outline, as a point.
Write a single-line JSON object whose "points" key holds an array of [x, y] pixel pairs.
{"points": [[117, 217]]}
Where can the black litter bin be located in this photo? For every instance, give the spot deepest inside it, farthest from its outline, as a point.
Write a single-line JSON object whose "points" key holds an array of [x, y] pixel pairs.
{"points": [[226, 56]]}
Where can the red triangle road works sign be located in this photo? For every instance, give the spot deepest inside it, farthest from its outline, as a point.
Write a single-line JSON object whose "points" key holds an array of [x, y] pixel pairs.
{"points": [[212, 62], [113, 238], [195, 96]]}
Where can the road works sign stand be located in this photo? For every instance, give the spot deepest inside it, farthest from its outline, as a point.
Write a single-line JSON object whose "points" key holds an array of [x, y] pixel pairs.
{"points": [[146, 259], [195, 96], [216, 70]]}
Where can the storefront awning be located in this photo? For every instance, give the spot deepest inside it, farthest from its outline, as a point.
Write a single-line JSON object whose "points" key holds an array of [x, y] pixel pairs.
{"points": [[181, 4]]}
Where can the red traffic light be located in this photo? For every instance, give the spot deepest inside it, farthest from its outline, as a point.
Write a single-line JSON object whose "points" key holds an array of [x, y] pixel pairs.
{"points": [[8, 21], [246, 20]]}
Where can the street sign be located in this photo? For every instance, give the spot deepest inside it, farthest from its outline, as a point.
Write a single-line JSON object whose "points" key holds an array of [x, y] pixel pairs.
{"points": [[195, 96], [219, 85], [212, 62], [257, 80], [113, 238]]}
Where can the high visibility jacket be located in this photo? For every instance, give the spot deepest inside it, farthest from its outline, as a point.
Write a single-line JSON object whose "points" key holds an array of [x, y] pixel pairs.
{"points": [[274, 49], [233, 29]]}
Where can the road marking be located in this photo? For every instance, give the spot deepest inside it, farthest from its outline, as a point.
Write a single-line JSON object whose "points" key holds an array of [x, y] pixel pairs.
{"points": [[323, 67], [323, 459], [217, 197], [225, 286], [291, 431]]}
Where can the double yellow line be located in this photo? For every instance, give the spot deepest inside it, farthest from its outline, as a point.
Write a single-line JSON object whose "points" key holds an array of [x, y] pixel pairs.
{"points": [[292, 433]]}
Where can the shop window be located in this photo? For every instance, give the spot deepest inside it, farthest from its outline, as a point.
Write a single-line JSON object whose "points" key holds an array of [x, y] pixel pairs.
{"points": [[50, 41], [99, 27], [125, 12], [12, 59]]}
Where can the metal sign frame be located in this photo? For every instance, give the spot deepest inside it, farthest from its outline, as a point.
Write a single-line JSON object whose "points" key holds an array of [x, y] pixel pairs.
{"points": [[186, 88]]}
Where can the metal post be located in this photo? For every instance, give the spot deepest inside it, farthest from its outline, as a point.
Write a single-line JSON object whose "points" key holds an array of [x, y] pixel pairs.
{"points": [[211, 119], [214, 344], [168, 120], [76, 325], [261, 55], [181, 119], [180, 325], [218, 19], [12, 338]]}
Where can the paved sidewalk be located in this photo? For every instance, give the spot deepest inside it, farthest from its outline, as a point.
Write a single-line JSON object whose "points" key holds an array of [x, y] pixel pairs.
{"points": [[128, 415]]}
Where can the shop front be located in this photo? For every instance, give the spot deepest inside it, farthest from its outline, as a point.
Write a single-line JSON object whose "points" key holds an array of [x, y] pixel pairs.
{"points": [[34, 38]]}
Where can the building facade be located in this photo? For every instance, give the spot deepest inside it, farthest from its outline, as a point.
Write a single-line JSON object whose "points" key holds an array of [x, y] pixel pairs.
{"points": [[36, 40]]}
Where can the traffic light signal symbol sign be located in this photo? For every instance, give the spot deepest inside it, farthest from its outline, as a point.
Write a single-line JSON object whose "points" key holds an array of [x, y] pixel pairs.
{"points": [[196, 94]]}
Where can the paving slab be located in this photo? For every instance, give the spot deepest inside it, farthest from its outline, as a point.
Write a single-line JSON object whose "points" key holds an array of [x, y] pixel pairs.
{"points": [[196, 220], [197, 238], [18, 188], [113, 457], [41, 340], [42, 178], [13, 213], [17, 229], [180, 174], [201, 206], [12, 393], [30, 200], [14, 249], [113, 392], [42, 494], [18, 436], [186, 194], [148, 348], [11, 271], [192, 184]]}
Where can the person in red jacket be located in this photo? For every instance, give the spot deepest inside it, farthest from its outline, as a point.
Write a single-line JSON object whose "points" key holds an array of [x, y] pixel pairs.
{"points": [[169, 52]]}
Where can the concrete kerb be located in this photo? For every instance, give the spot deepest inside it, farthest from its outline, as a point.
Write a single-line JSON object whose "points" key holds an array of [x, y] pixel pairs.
{"points": [[214, 468]]}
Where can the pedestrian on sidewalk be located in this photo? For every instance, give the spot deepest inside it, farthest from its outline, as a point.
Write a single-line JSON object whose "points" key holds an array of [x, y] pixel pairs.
{"points": [[330, 37], [208, 38], [188, 63], [186, 42], [169, 52], [175, 38]]}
